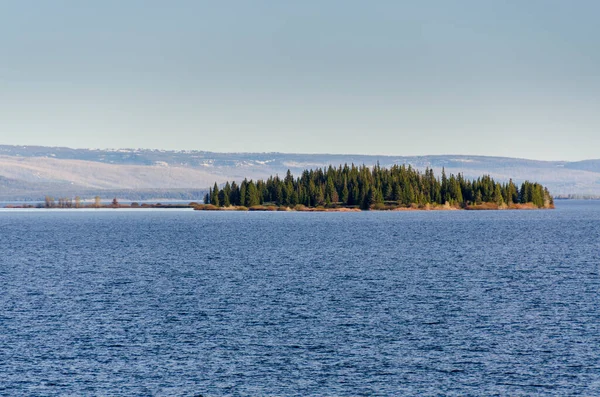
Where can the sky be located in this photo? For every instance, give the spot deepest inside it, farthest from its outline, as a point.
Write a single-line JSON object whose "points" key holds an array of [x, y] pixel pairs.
{"points": [[483, 77]]}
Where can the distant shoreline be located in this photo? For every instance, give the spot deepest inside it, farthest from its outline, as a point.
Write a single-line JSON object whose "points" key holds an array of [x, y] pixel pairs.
{"points": [[41, 206]]}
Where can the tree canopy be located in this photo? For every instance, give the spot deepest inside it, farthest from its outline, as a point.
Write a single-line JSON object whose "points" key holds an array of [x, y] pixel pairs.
{"points": [[373, 187]]}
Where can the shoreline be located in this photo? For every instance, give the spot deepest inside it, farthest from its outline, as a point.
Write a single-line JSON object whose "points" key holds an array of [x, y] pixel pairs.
{"points": [[427, 207], [298, 208]]}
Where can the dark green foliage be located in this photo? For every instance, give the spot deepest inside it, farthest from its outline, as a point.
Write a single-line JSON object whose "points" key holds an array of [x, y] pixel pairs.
{"points": [[535, 193], [512, 193], [234, 195], [364, 187], [252, 197], [345, 192], [214, 195], [242, 196], [497, 197], [224, 195]]}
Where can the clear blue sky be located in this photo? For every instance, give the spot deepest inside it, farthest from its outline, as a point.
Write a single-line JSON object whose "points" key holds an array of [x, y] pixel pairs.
{"points": [[510, 78]]}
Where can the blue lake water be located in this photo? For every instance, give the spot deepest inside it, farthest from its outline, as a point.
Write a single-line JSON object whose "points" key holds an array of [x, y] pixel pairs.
{"points": [[185, 303]]}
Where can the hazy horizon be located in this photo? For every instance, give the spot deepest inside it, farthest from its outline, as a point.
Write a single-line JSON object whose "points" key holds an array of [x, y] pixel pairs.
{"points": [[297, 153], [505, 79]]}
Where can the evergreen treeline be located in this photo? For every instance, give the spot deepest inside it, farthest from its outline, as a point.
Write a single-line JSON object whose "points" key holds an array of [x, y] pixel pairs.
{"points": [[376, 187]]}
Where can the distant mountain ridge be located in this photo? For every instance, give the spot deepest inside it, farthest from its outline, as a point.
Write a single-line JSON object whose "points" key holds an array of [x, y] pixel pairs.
{"points": [[30, 172]]}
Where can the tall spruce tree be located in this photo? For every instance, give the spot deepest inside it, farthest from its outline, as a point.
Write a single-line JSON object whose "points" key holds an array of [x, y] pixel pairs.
{"points": [[214, 199]]}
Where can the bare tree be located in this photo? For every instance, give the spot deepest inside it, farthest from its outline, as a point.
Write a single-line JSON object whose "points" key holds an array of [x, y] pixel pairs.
{"points": [[49, 202]]}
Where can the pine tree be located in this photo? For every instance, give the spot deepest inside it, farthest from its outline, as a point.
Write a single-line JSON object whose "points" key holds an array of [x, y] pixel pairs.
{"points": [[498, 195], [368, 199], [224, 195], [397, 193], [330, 192], [251, 195], [320, 196], [444, 189], [345, 192], [243, 188], [234, 195], [214, 199]]}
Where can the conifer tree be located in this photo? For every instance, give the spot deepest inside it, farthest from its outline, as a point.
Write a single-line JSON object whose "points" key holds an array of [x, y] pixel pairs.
{"points": [[243, 188], [444, 187], [330, 192], [251, 195], [214, 199], [345, 192], [224, 195], [498, 195], [478, 197], [234, 195], [369, 198]]}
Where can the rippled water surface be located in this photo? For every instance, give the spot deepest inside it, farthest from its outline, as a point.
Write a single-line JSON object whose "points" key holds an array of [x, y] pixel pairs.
{"points": [[185, 303]]}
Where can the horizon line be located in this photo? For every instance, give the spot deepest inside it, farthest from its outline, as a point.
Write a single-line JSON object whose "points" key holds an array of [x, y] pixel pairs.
{"points": [[293, 153]]}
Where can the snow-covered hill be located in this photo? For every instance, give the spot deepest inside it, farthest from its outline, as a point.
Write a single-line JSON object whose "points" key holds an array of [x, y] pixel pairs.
{"points": [[28, 172]]}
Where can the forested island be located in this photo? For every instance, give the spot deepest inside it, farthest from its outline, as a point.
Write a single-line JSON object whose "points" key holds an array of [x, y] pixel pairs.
{"points": [[351, 187]]}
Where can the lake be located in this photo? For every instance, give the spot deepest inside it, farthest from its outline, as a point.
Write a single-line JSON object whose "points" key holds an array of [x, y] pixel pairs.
{"points": [[188, 303]]}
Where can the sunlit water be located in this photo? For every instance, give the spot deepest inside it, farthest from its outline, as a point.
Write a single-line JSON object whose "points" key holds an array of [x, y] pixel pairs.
{"points": [[183, 303]]}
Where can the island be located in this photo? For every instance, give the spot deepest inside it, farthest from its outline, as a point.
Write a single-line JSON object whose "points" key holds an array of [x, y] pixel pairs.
{"points": [[357, 188]]}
